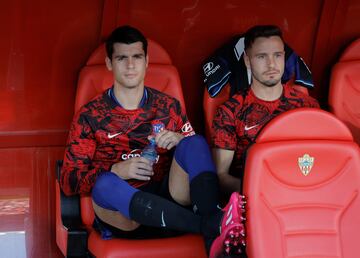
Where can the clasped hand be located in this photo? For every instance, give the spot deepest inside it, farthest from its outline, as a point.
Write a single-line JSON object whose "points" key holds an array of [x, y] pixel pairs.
{"points": [[134, 168], [167, 139]]}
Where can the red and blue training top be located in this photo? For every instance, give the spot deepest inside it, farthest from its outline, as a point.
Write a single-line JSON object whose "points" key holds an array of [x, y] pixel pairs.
{"points": [[103, 133]]}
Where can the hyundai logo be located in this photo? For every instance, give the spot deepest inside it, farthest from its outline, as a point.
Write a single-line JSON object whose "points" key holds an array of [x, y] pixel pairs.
{"points": [[207, 67]]}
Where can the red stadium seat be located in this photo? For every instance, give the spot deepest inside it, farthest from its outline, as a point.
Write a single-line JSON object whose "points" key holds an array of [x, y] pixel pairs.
{"points": [[210, 105], [302, 183], [344, 92], [95, 78]]}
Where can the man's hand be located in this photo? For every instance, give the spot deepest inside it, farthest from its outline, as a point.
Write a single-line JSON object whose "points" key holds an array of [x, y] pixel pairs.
{"points": [[135, 168], [223, 159], [168, 139]]}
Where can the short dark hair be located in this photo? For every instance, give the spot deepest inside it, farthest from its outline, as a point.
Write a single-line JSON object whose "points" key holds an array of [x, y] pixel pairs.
{"points": [[127, 35], [261, 31]]}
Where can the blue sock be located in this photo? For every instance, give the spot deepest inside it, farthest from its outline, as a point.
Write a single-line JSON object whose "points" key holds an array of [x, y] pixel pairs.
{"points": [[194, 156], [113, 193]]}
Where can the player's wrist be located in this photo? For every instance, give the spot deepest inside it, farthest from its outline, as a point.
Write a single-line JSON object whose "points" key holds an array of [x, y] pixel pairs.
{"points": [[116, 170]]}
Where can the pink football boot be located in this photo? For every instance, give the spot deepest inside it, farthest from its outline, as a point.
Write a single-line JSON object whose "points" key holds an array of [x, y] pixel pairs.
{"points": [[232, 230]]}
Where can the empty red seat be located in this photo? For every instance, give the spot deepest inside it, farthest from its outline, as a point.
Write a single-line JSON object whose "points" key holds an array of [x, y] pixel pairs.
{"points": [[344, 92], [94, 79], [302, 183]]}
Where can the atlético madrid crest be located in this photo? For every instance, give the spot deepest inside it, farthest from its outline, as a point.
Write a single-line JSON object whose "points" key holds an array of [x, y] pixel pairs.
{"points": [[305, 164]]}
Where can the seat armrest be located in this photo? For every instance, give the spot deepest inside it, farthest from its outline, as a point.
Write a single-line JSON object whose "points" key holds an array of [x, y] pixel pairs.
{"points": [[71, 234]]}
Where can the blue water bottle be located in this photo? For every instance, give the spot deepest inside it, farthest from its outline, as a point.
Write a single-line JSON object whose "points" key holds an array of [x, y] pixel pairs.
{"points": [[149, 152]]}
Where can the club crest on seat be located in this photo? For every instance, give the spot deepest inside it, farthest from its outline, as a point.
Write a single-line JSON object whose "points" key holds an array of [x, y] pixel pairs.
{"points": [[306, 163]]}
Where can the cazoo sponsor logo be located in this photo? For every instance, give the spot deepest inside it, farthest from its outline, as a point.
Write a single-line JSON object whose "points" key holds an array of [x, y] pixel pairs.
{"points": [[132, 154]]}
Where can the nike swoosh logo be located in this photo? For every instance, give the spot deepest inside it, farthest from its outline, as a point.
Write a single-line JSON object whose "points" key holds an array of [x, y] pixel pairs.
{"points": [[110, 136], [247, 128], [162, 219]]}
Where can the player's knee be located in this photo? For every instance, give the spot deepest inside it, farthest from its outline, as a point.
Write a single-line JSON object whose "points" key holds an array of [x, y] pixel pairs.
{"points": [[193, 155], [109, 183], [105, 181], [191, 142], [106, 188]]}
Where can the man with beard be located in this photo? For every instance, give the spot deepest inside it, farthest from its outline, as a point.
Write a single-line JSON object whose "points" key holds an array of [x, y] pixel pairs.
{"points": [[239, 120]]}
